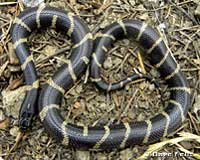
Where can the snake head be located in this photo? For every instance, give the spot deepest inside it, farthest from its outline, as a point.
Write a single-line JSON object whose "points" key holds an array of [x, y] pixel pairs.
{"points": [[25, 119]]}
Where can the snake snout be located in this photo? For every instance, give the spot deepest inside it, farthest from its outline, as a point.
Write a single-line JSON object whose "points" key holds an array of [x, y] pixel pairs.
{"points": [[25, 120]]}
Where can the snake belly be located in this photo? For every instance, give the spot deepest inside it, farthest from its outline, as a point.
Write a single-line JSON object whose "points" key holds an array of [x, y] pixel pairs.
{"points": [[49, 17], [123, 134]]}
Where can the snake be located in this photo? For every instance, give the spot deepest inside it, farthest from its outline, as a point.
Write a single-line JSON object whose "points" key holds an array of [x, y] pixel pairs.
{"points": [[67, 23], [93, 49]]}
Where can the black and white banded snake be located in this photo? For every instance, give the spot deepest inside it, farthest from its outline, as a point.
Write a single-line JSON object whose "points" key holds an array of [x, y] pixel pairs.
{"points": [[98, 137]]}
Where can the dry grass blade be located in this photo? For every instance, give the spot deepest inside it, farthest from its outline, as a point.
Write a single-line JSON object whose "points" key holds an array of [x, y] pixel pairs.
{"points": [[141, 63], [184, 136], [3, 67], [7, 3]]}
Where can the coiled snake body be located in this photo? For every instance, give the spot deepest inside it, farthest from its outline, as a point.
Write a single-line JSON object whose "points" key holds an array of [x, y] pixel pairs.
{"points": [[98, 137]]}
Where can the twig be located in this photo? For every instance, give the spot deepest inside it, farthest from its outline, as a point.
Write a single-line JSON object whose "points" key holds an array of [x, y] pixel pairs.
{"points": [[183, 11], [141, 63], [7, 3], [51, 56]]}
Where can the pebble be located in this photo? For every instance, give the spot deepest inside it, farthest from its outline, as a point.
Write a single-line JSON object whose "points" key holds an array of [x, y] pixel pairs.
{"points": [[132, 2], [197, 11], [140, 117], [103, 106], [126, 42], [2, 116], [108, 63], [196, 107], [14, 131], [144, 16], [131, 114], [162, 26], [154, 73], [44, 139], [32, 3], [117, 61], [49, 50], [151, 87], [100, 98], [82, 155], [12, 101], [126, 154], [101, 156]]}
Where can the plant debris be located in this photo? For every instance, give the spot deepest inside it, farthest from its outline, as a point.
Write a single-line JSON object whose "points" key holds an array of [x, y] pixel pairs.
{"points": [[178, 22]]}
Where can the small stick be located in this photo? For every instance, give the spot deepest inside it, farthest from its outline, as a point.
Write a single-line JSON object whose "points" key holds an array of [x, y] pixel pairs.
{"points": [[18, 140], [55, 54], [141, 63], [7, 3], [183, 11]]}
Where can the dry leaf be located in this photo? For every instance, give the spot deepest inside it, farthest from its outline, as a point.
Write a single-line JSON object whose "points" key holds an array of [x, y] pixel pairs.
{"points": [[5, 123]]}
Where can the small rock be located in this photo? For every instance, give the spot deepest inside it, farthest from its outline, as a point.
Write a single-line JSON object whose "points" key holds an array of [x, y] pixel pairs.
{"points": [[32, 141], [100, 98], [103, 106], [132, 2], [197, 11], [101, 156], [126, 154], [32, 3], [131, 115], [117, 61], [14, 131], [23, 158], [141, 7], [82, 155], [49, 50], [2, 116], [104, 24], [140, 117], [126, 42], [144, 16], [12, 101], [127, 87], [142, 85], [154, 73], [60, 4], [151, 87], [44, 139], [135, 150], [108, 63], [196, 107], [162, 26]]}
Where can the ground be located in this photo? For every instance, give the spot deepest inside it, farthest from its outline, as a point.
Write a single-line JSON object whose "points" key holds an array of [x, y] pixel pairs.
{"points": [[177, 22]]}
